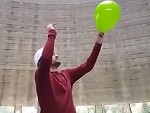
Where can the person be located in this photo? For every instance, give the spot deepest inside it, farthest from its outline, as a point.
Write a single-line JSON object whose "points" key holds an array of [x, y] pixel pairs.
{"points": [[53, 87]]}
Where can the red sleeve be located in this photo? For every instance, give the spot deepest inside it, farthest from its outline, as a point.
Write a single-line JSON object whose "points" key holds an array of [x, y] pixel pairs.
{"points": [[77, 72], [46, 58]]}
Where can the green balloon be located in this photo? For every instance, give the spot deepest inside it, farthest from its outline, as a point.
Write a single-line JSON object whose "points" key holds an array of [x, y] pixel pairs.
{"points": [[106, 15]]}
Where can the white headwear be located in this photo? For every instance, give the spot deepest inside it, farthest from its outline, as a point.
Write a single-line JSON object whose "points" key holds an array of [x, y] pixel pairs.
{"points": [[38, 55]]}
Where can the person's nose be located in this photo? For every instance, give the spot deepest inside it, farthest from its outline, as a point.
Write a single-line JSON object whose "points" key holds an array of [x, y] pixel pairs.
{"points": [[56, 56]]}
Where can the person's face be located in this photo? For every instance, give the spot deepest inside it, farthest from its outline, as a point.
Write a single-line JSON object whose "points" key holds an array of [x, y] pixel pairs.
{"points": [[55, 60]]}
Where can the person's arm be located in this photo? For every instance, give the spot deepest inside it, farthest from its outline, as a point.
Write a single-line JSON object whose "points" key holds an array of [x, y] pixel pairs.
{"points": [[46, 58], [77, 72]]}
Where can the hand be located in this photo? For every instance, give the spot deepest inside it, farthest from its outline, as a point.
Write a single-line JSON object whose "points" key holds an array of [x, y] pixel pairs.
{"points": [[99, 38], [51, 30], [50, 26]]}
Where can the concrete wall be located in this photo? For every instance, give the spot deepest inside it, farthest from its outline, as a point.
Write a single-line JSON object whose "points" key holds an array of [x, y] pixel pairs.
{"points": [[123, 68], [68, 2]]}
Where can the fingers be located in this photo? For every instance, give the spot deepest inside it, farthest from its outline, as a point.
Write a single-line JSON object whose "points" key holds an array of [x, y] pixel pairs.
{"points": [[51, 29], [100, 35], [50, 26], [53, 25]]}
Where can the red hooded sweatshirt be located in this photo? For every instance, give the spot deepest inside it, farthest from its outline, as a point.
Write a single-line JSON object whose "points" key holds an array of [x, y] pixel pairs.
{"points": [[54, 89]]}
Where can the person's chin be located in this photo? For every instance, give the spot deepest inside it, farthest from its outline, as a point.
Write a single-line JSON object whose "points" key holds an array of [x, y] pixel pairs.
{"points": [[56, 64]]}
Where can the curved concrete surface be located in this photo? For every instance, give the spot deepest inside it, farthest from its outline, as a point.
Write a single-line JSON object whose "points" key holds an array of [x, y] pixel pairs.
{"points": [[123, 68]]}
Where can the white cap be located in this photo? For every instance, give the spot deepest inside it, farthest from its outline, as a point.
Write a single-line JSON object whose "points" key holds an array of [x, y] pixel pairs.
{"points": [[38, 55]]}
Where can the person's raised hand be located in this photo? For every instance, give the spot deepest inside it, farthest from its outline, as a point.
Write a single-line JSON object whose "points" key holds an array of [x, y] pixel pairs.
{"points": [[99, 38], [51, 30]]}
